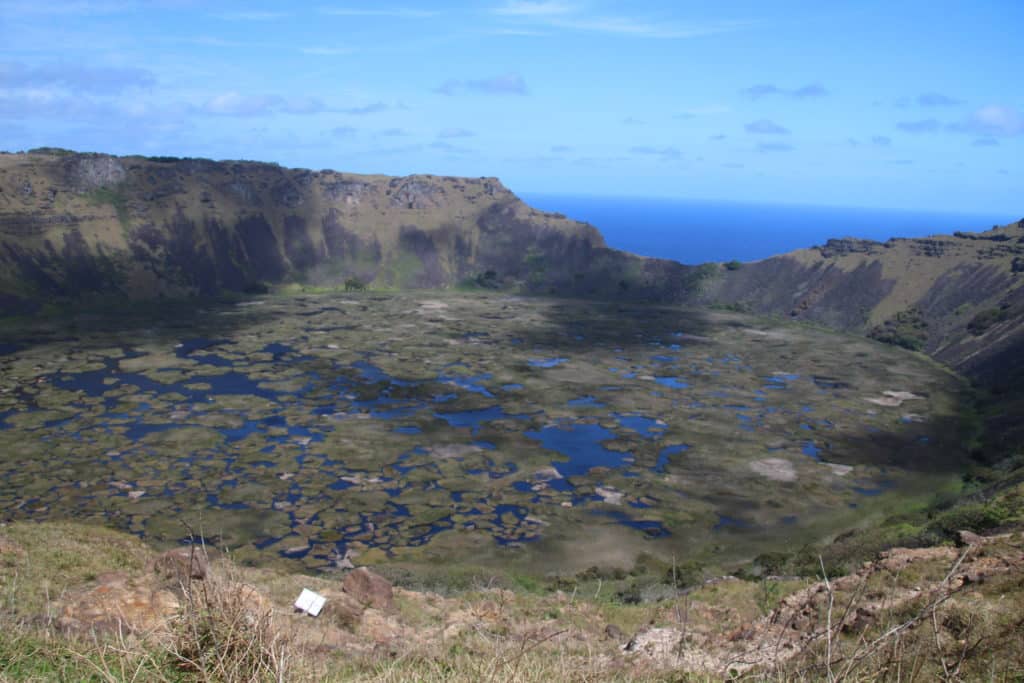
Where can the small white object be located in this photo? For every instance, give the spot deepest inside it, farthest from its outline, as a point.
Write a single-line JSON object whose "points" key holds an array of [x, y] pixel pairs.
{"points": [[309, 602]]}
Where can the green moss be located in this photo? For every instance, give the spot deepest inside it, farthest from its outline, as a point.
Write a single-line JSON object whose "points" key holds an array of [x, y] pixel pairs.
{"points": [[981, 322], [907, 329], [115, 198]]}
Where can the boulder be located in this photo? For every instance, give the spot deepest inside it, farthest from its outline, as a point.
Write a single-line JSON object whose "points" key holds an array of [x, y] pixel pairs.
{"points": [[379, 627], [118, 605], [342, 609], [372, 590], [10, 551], [181, 565], [969, 538]]}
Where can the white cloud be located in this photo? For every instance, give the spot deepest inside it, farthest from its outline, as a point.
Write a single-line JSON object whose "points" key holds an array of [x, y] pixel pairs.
{"points": [[575, 17], [995, 119], [233, 103], [503, 84], [395, 12], [535, 8], [101, 80], [252, 16], [326, 51], [449, 133]]}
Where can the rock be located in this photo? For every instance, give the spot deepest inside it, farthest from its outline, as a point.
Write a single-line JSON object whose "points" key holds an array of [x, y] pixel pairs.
{"points": [[657, 643], [9, 550], [342, 609], [119, 605], [182, 564], [378, 627], [610, 495], [613, 632], [969, 538], [370, 589]]}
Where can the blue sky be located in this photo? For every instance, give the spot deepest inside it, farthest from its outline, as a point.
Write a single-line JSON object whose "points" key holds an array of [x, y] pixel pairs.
{"points": [[881, 104]]}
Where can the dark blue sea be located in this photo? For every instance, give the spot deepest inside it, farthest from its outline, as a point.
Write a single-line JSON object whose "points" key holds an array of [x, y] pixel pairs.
{"points": [[697, 231]]}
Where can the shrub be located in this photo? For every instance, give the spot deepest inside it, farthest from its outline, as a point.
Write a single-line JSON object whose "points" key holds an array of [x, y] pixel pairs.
{"points": [[907, 329], [227, 632], [980, 323]]}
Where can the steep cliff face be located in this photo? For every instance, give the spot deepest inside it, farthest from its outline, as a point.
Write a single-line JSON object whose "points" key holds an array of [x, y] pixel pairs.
{"points": [[957, 297], [80, 224]]}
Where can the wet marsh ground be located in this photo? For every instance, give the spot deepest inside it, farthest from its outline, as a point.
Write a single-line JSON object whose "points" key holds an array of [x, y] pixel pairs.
{"points": [[417, 428]]}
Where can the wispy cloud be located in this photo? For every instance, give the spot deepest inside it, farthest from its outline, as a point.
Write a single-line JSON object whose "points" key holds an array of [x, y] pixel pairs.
{"points": [[505, 84], [766, 127], [774, 147], [706, 110], [576, 17], [632, 121], [986, 142], [343, 131], [449, 148], [663, 153], [881, 141], [538, 8], [237, 104], [251, 16], [450, 133], [991, 120], [68, 7], [561, 149], [326, 51], [393, 133], [393, 12], [79, 78], [921, 126], [934, 99], [372, 108], [760, 90], [233, 103]]}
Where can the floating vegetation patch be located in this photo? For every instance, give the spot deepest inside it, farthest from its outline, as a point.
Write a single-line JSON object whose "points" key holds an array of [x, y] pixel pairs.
{"points": [[312, 428]]}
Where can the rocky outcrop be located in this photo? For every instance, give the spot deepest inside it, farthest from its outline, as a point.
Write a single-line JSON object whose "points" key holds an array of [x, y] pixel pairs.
{"points": [[919, 293], [117, 604], [81, 225], [369, 589]]}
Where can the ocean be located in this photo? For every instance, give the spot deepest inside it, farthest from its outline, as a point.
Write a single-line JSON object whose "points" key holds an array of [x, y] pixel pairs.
{"points": [[698, 231]]}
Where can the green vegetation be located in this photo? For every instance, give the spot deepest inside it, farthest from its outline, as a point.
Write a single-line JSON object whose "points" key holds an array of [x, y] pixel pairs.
{"points": [[114, 197], [54, 151], [981, 322], [733, 265], [354, 284], [485, 280], [907, 329]]}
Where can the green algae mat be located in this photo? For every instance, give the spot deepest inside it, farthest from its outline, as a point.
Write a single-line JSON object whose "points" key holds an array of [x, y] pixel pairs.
{"points": [[544, 434]]}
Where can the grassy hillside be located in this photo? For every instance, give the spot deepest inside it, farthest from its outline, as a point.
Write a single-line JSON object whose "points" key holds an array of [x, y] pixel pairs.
{"points": [[83, 603], [957, 297], [90, 225]]}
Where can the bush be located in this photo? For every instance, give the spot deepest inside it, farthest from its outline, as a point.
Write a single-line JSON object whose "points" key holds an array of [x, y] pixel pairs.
{"points": [[980, 323], [227, 632], [907, 329], [733, 265]]}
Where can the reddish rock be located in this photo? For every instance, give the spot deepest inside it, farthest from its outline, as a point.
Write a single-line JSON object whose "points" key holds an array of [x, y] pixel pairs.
{"points": [[181, 565], [342, 609], [370, 589], [119, 605]]}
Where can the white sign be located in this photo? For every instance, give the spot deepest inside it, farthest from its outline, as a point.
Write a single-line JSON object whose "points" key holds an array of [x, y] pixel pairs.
{"points": [[309, 602]]}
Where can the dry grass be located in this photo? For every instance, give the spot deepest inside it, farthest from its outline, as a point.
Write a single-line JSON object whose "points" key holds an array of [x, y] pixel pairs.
{"points": [[226, 632]]}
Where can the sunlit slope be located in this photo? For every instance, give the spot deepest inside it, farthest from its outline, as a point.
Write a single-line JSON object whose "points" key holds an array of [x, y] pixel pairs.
{"points": [[87, 224], [957, 297]]}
